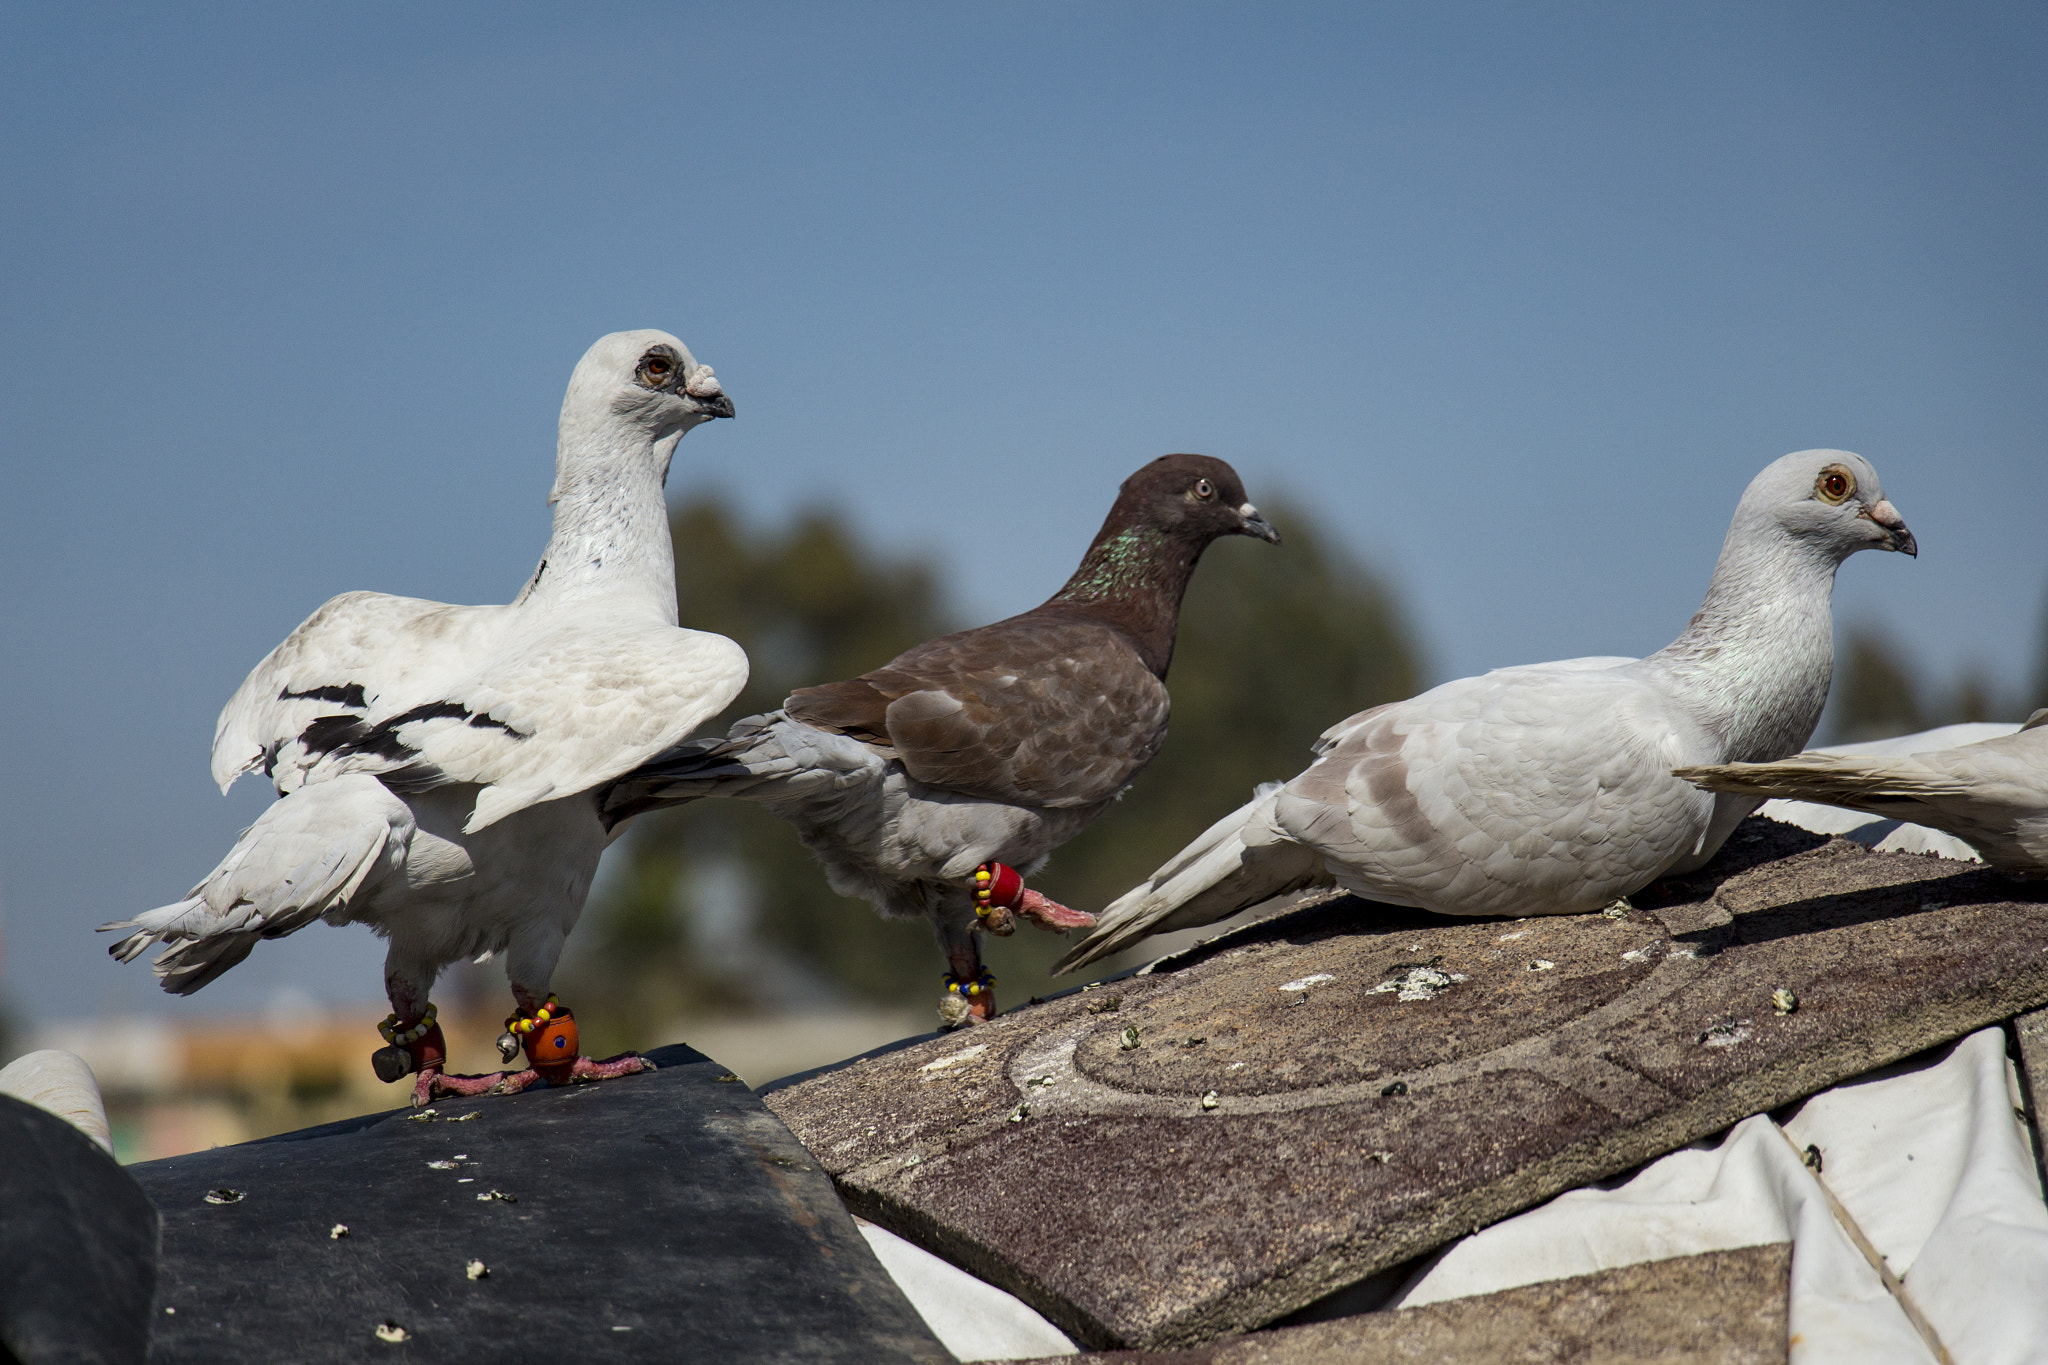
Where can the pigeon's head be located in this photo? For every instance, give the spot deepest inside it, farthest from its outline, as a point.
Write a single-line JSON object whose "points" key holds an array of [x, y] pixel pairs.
{"points": [[1827, 499], [647, 380], [1197, 497]]}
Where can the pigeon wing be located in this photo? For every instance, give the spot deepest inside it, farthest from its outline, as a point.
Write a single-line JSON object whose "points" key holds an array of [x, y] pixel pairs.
{"points": [[1055, 713], [363, 660], [423, 695], [1522, 791], [579, 706]]}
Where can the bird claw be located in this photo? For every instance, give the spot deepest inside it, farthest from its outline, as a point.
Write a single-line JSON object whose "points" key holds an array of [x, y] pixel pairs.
{"points": [[583, 1069], [433, 1084], [512, 1082], [611, 1068]]}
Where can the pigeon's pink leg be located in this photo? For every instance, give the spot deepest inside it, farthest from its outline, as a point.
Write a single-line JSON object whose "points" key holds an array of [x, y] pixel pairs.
{"points": [[417, 1045], [1049, 913], [434, 1083], [999, 890], [1000, 899], [414, 1043]]}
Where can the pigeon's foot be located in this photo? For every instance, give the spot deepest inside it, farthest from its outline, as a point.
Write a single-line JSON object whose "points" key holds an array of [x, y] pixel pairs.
{"points": [[420, 1047], [578, 1070], [1000, 896], [611, 1068], [550, 1039], [969, 1001]]}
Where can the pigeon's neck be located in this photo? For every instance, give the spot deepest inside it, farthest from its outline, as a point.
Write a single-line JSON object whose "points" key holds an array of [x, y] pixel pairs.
{"points": [[610, 546], [1753, 666], [1134, 576]]}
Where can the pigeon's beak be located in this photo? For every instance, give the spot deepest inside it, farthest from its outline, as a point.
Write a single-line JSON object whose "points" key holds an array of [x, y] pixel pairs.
{"points": [[704, 391], [1887, 516], [1250, 523]]}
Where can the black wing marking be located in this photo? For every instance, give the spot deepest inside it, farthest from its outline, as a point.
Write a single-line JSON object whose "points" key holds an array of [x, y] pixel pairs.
{"points": [[350, 694], [353, 735]]}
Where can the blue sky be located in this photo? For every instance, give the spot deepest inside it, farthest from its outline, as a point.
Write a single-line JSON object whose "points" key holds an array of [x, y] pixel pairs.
{"points": [[1517, 296]]}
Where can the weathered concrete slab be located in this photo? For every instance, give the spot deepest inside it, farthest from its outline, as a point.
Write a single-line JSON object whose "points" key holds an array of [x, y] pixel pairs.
{"points": [[660, 1217], [1722, 1308], [1177, 1157]]}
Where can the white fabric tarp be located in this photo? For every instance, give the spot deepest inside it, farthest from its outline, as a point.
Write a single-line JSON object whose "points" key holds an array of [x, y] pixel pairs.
{"points": [[61, 1083], [1930, 1159], [972, 1319]]}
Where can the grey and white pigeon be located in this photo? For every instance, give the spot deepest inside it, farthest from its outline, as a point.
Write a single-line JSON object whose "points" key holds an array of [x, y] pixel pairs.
{"points": [[1993, 795], [933, 785], [440, 766], [1548, 789]]}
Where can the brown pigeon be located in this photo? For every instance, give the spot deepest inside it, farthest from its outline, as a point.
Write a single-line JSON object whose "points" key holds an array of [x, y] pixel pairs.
{"points": [[932, 785]]}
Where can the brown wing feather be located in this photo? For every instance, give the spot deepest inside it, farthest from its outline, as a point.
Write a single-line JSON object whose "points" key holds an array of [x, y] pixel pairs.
{"points": [[1042, 710], [855, 707]]}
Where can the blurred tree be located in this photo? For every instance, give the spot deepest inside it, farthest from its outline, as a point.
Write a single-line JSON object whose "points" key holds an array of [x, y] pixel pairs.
{"points": [[2038, 690], [716, 905], [1974, 698], [1874, 693], [1877, 695]]}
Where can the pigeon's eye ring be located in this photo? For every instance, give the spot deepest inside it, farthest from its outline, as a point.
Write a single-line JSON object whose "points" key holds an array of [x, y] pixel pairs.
{"points": [[1834, 485], [656, 368], [1204, 489]]}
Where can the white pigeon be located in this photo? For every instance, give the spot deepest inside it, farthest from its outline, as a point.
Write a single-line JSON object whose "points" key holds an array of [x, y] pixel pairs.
{"points": [[439, 766], [1992, 795], [1548, 789]]}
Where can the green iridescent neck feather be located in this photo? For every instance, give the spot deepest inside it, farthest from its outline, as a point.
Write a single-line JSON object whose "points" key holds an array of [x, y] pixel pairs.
{"points": [[1120, 568]]}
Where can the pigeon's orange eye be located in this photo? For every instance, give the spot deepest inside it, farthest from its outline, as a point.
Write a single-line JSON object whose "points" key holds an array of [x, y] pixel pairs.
{"points": [[1204, 489], [656, 369], [1835, 484]]}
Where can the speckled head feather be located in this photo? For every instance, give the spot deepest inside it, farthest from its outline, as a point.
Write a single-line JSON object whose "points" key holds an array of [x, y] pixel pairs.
{"points": [[1138, 566]]}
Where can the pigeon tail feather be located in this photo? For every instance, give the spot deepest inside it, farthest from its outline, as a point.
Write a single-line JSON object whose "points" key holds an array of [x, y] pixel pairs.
{"points": [[1832, 779], [769, 758], [308, 856], [1237, 862]]}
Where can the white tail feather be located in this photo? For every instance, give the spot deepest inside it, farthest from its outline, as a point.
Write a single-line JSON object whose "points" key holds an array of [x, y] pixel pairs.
{"points": [[1834, 779], [1236, 863], [309, 855]]}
